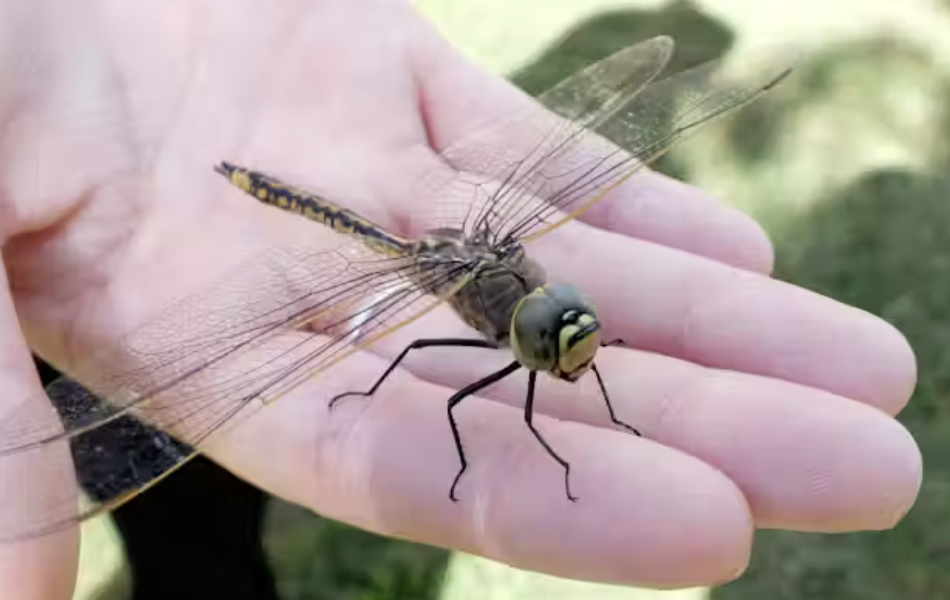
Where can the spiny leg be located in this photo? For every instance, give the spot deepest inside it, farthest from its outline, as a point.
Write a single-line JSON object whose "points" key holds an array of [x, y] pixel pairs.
{"points": [[423, 343], [462, 394], [610, 409], [528, 417]]}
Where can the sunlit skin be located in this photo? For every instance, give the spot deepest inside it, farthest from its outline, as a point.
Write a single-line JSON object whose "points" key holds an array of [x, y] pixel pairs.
{"points": [[761, 404]]}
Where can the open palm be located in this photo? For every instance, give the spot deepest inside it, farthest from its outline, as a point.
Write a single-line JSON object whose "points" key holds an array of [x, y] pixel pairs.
{"points": [[762, 405]]}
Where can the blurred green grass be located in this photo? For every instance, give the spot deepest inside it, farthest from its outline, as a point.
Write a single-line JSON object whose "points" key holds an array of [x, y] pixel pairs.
{"points": [[844, 164]]}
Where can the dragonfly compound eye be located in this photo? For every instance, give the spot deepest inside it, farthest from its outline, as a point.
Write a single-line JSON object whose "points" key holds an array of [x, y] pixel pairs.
{"points": [[554, 329]]}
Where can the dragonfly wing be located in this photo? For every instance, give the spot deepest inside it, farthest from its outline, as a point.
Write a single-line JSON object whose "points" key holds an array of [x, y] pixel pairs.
{"points": [[495, 154], [592, 94], [525, 176], [205, 362]]}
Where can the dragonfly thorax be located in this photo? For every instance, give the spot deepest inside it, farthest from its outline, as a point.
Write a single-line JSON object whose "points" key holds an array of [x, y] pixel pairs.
{"points": [[499, 278], [554, 329]]}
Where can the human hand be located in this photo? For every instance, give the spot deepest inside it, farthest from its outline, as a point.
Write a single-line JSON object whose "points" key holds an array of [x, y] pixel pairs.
{"points": [[762, 405]]}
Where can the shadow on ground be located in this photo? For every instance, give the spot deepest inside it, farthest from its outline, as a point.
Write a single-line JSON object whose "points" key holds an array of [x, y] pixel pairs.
{"points": [[319, 559]]}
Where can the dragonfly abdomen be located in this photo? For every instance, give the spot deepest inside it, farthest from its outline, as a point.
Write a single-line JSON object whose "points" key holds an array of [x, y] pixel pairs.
{"points": [[292, 199]]}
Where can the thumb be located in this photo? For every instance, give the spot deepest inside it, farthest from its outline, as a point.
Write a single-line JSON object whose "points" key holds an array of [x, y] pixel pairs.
{"points": [[40, 568]]}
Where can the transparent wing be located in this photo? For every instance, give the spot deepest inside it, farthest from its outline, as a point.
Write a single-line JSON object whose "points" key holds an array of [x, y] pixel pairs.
{"points": [[498, 153], [524, 176], [253, 337]]}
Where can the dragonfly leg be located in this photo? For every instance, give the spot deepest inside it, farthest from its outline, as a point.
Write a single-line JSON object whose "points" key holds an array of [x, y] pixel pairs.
{"points": [[614, 342], [610, 409], [462, 394], [528, 418], [423, 343]]}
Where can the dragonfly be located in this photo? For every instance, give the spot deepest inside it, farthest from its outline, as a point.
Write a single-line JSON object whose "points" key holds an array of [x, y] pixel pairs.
{"points": [[150, 402]]}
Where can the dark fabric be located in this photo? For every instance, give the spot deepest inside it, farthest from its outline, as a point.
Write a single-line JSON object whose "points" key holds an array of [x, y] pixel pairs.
{"points": [[196, 535]]}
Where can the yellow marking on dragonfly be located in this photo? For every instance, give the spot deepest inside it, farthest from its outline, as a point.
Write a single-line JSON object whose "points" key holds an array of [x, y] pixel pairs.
{"points": [[293, 199]]}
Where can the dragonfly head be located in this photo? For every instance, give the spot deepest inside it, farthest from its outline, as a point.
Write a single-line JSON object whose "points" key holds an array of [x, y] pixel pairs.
{"points": [[555, 329]]}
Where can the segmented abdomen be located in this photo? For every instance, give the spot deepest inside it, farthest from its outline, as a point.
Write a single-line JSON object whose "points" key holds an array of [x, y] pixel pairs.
{"points": [[271, 191]]}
